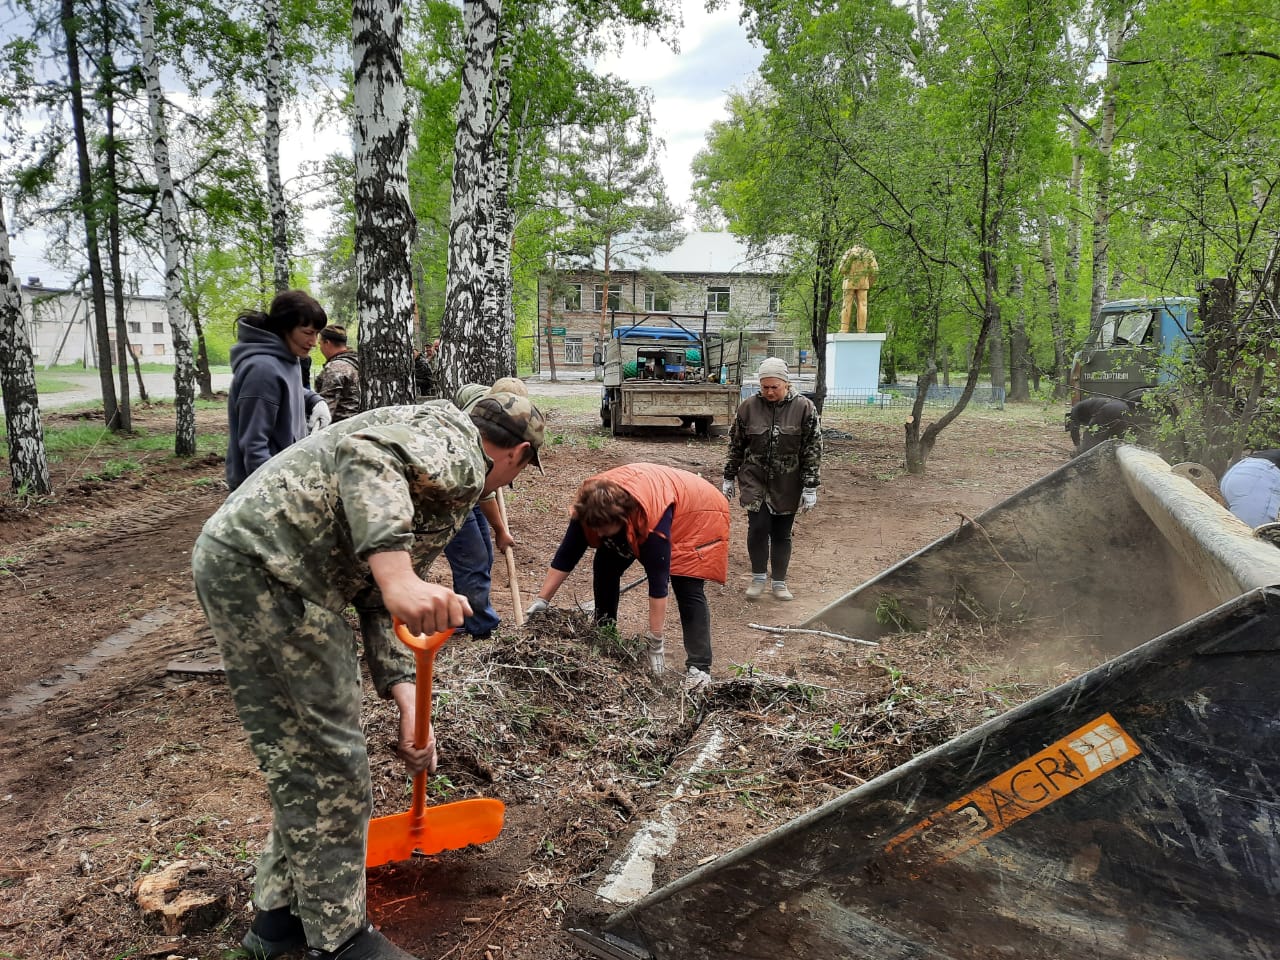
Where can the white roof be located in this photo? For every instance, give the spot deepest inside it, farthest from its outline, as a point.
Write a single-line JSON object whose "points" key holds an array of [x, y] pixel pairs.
{"points": [[705, 251]]}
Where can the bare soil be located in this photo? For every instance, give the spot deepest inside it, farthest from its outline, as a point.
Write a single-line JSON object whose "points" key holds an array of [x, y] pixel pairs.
{"points": [[118, 757]]}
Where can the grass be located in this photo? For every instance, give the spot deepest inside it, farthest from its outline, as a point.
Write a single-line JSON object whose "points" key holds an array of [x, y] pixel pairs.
{"points": [[577, 405], [1019, 413], [83, 439], [47, 384]]}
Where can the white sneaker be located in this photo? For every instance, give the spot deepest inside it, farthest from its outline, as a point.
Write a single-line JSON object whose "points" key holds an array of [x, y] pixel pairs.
{"points": [[756, 590], [780, 591], [696, 681]]}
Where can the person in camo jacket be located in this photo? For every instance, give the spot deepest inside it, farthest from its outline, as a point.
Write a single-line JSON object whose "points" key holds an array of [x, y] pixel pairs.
{"points": [[775, 454], [328, 523], [339, 381]]}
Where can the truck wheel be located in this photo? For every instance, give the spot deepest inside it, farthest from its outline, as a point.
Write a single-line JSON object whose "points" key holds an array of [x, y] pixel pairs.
{"points": [[605, 419], [615, 420], [702, 427]]}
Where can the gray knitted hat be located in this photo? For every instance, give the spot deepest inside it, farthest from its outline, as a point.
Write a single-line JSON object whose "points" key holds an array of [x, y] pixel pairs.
{"points": [[773, 367]]}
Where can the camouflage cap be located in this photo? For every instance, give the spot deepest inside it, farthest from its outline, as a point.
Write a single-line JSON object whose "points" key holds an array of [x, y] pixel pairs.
{"points": [[468, 394], [514, 416], [509, 385]]}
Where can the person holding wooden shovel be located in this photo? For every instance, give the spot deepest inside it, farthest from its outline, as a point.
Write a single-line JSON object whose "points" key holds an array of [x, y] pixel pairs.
{"points": [[327, 523], [470, 552]]}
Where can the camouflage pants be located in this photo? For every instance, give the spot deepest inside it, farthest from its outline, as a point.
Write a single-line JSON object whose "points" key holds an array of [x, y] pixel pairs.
{"points": [[295, 679]]}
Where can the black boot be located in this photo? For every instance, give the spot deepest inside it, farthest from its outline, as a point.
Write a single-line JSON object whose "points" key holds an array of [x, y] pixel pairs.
{"points": [[273, 933], [368, 944]]}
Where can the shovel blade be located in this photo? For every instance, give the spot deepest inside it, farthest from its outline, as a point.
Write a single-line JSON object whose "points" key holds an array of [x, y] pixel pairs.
{"points": [[448, 826]]}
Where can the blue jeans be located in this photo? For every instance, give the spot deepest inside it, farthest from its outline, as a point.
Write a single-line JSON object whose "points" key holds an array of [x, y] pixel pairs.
{"points": [[470, 556]]}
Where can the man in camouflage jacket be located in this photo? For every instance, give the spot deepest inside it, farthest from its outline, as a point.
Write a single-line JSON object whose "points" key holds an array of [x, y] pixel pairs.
{"points": [[775, 455], [327, 523], [339, 381]]}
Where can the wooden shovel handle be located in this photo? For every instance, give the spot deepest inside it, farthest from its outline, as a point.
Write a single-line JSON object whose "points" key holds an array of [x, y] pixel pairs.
{"points": [[513, 581]]}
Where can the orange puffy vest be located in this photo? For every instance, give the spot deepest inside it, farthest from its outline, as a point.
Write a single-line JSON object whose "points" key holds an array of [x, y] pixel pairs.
{"points": [[699, 523]]}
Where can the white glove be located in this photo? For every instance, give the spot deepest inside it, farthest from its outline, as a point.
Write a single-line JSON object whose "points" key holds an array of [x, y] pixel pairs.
{"points": [[808, 499], [727, 488], [320, 417], [538, 606], [657, 659]]}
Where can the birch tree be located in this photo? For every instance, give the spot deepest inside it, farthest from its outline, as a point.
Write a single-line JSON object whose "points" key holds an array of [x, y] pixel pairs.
{"points": [[28, 463], [384, 219], [272, 65], [184, 369], [469, 351]]}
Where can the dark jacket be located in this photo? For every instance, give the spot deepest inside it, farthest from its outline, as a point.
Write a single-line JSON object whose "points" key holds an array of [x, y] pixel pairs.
{"points": [[775, 451], [268, 405]]}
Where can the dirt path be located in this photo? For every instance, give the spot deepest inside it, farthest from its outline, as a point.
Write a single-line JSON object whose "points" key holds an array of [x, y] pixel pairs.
{"points": [[111, 766]]}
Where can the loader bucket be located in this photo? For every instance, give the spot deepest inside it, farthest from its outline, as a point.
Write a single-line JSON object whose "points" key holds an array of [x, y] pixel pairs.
{"points": [[1133, 811], [1112, 548]]}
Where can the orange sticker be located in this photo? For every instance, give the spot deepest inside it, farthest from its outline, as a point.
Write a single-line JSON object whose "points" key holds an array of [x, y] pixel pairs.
{"points": [[1081, 757]]}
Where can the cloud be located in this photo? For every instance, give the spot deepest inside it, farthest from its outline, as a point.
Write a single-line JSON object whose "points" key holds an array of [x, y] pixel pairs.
{"points": [[690, 87], [722, 59]]}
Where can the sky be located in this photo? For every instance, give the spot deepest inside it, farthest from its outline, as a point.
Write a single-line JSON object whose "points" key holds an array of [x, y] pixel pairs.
{"points": [[690, 87], [689, 93]]}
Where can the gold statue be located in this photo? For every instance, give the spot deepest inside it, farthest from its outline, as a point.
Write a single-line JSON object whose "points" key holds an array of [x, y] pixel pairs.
{"points": [[859, 268]]}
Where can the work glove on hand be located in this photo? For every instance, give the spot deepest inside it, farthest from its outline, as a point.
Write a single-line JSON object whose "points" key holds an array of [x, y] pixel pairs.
{"points": [[320, 417], [657, 658], [727, 488], [808, 499], [538, 606]]}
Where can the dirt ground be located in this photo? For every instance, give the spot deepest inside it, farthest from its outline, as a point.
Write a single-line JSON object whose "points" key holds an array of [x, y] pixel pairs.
{"points": [[119, 758]]}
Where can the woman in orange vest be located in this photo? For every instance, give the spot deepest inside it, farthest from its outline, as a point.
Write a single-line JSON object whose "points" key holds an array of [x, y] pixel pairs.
{"points": [[677, 525]]}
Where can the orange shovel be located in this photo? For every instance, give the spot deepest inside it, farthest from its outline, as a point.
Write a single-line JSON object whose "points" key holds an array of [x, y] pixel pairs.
{"points": [[423, 829]]}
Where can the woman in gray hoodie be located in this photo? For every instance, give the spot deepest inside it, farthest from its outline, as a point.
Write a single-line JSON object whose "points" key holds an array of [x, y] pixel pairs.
{"points": [[269, 408]]}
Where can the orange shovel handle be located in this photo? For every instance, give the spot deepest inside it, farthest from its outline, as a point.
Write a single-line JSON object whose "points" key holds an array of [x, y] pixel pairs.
{"points": [[424, 654]]}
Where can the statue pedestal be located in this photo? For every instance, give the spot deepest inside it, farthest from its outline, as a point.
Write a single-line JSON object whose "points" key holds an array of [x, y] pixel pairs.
{"points": [[853, 363]]}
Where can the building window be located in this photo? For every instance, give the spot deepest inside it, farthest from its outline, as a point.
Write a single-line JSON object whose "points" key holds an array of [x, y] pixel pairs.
{"points": [[157, 349], [655, 301], [135, 326], [717, 299], [157, 327], [572, 349], [784, 348], [573, 296], [615, 296], [775, 300]]}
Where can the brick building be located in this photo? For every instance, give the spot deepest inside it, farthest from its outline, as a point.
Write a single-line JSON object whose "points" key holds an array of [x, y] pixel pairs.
{"points": [[709, 273], [62, 328]]}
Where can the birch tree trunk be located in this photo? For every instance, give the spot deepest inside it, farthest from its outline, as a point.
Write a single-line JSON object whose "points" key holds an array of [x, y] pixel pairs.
{"points": [[1075, 189], [498, 289], [275, 185], [469, 348], [1102, 198], [184, 368], [88, 214], [1019, 343], [28, 462], [384, 220], [1060, 371]]}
